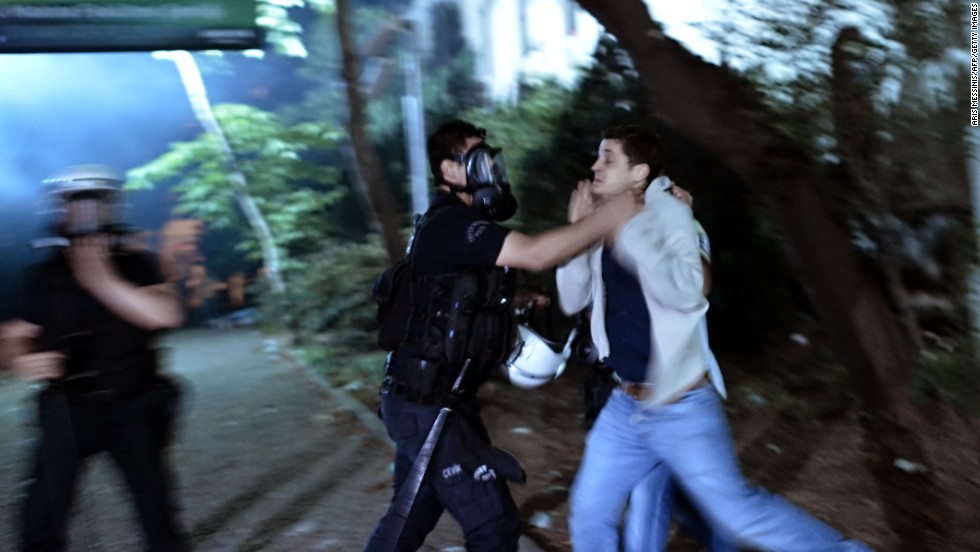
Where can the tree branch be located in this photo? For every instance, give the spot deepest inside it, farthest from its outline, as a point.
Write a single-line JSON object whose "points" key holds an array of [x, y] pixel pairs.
{"points": [[724, 115]]}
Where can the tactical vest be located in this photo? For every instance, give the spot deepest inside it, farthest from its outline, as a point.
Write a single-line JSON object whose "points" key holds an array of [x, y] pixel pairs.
{"points": [[465, 315], [455, 317]]}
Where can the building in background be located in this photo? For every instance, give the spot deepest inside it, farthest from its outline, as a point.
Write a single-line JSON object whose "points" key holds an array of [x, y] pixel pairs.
{"points": [[518, 41], [513, 40]]}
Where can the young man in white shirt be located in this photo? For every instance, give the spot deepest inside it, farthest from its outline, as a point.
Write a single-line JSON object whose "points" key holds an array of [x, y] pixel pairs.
{"points": [[645, 286]]}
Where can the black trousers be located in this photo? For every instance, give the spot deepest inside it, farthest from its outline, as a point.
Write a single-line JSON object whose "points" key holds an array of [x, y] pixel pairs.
{"points": [[134, 431], [466, 477]]}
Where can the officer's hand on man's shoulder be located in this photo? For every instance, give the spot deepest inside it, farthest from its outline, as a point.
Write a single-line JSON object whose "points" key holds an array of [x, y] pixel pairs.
{"points": [[681, 194], [531, 298]]}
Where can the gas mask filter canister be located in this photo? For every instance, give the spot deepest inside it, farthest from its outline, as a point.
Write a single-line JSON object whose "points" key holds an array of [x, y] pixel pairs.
{"points": [[486, 181]]}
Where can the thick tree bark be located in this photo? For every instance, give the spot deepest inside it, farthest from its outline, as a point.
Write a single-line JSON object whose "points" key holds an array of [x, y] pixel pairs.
{"points": [[858, 146], [973, 169], [719, 111], [368, 165]]}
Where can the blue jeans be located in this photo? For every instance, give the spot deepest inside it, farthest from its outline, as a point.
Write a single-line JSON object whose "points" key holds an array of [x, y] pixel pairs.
{"points": [[690, 437], [651, 504]]}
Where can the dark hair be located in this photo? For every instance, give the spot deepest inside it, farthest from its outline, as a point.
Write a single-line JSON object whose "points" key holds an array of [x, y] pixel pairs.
{"points": [[640, 145], [449, 141]]}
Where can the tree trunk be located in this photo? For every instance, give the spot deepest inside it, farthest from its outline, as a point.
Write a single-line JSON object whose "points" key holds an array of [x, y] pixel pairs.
{"points": [[973, 169], [857, 144], [190, 75], [715, 108], [368, 165]]}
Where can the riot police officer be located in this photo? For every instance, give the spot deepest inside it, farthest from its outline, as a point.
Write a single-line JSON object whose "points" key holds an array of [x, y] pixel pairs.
{"points": [[461, 330], [87, 330]]}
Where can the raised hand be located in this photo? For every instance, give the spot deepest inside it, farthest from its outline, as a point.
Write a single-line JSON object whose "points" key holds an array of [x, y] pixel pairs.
{"points": [[89, 260], [681, 194], [39, 366], [581, 203]]}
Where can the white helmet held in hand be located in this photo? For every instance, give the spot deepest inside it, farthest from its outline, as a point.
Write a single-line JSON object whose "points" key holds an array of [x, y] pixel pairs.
{"points": [[535, 360]]}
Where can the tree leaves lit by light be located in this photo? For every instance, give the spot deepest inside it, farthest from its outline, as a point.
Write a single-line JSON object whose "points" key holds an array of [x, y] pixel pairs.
{"points": [[278, 161], [784, 47], [786, 43], [789, 41], [283, 34]]}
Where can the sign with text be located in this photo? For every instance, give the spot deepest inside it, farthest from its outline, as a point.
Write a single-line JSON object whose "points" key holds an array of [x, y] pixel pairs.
{"points": [[127, 25]]}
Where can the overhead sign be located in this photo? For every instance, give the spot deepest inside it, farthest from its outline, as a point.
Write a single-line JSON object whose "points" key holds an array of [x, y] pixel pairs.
{"points": [[127, 25]]}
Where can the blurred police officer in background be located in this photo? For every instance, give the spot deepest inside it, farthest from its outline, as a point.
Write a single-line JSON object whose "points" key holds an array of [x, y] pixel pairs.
{"points": [[86, 330]]}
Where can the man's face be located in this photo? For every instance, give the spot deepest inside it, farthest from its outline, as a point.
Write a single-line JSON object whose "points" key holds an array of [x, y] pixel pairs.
{"points": [[612, 173]]}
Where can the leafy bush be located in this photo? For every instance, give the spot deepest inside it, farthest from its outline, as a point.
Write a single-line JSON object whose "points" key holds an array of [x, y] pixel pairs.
{"points": [[951, 373], [331, 293]]}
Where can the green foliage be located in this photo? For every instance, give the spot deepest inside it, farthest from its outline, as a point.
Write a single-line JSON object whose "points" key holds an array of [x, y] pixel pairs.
{"points": [[952, 374], [608, 93], [450, 89], [806, 384], [784, 45], [904, 74], [283, 33], [525, 130], [331, 293], [356, 371], [289, 185]]}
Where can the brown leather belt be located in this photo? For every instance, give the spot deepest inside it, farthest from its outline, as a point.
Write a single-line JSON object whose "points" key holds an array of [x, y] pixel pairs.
{"points": [[644, 391]]}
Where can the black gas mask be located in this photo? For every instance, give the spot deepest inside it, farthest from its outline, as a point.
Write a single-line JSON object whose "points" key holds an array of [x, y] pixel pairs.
{"points": [[486, 181]]}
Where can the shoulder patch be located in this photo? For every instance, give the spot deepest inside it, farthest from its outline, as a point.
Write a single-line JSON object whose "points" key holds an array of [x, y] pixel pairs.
{"points": [[476, 229], [705, 245]]}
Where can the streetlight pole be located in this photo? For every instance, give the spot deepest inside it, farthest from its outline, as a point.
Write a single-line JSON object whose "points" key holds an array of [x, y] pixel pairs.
{"points": [[413, 115]]}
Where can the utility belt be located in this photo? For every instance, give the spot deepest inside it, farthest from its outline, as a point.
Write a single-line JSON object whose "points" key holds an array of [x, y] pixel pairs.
{"points": [[102, 386], [426, 382]]}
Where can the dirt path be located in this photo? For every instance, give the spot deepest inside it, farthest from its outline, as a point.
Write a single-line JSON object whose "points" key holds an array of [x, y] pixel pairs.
{"points": [[266, 458], [271, 459]]}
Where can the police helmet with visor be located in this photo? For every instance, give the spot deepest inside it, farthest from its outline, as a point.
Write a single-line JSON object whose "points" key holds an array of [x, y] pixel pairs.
{"points": [[86, 198]]}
